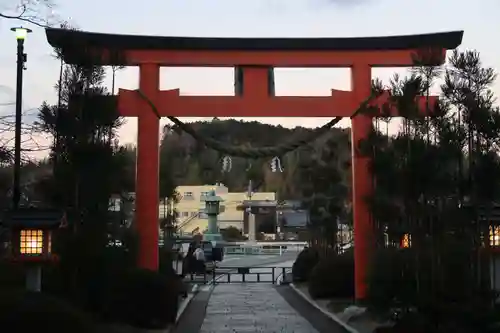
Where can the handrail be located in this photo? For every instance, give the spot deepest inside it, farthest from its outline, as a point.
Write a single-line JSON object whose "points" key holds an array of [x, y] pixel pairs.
{"points": [[271, 243], [258, 249], [186, 221], [283, 274]]}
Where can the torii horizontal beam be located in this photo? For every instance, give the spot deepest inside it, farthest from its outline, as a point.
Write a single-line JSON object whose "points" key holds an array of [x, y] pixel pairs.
{"points": [[171, 103]]}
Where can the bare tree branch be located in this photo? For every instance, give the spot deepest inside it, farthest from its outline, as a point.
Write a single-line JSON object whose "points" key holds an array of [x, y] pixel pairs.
{"points": [[32, 139], [37, 12]]}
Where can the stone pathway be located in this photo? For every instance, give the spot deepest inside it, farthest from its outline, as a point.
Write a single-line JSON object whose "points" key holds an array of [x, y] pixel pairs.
{"points": [[251, 308]]}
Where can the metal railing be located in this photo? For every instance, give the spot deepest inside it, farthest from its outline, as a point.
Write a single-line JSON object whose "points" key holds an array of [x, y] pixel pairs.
{"points": [[260, 249], [182, 224], [272, 275]]}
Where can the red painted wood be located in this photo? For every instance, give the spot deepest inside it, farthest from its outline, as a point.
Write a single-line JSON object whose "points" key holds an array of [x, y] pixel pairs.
{"points": [[400, 58], [147, 174], [255, 102]]}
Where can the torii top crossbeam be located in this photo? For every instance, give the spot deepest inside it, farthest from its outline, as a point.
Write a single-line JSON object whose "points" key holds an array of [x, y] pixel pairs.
{"points": [[203, 51]]}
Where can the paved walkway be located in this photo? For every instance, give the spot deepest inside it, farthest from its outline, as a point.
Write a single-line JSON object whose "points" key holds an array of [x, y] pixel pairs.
{"points": [[245, 308], [254, 307]]}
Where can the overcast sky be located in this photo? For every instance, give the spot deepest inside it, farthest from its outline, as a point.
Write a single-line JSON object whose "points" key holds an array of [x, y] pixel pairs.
{"points": [[246, 18]]}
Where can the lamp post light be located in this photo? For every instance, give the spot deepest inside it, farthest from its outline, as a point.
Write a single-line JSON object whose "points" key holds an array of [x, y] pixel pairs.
{"points": [[31, 240], [21, 34]]}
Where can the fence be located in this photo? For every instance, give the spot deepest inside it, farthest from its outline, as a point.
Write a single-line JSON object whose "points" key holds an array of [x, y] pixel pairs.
{"points": [[263, 249], [273, 275]]}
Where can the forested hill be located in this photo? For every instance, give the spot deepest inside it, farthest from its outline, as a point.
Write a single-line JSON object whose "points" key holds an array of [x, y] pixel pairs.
{"points": [[190, 163]]}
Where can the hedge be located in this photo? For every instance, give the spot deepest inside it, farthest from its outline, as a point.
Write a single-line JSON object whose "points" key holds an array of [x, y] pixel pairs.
{"points": [[333, 277]]}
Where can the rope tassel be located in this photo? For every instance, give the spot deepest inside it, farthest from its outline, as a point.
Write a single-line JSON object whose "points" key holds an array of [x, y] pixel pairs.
{"points": [[227, 164], [276, 164]]}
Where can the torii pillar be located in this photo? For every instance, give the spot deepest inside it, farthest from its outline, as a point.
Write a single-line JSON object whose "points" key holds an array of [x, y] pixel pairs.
{"points": [[362, 181], [148, 171], [255, 56]]}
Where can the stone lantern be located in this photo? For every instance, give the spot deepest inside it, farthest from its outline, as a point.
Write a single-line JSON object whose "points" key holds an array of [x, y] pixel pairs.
{"points": [[212, 209]]}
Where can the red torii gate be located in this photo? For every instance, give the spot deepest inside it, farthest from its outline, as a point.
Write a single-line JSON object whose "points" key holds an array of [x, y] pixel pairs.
{"points": [[255, 56]]}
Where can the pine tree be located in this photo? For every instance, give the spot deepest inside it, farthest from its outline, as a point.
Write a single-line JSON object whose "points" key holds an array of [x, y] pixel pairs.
{"points": [[88, 168], [324, 193], [433, 181]]}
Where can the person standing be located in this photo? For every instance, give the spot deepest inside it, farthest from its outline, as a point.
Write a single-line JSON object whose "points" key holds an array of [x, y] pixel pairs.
{"points": [[199, 255], [188, 264]]}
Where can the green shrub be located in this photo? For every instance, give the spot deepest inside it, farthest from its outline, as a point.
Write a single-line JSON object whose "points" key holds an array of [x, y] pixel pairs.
{"points": [[304, 264], [399, 279], [409, 278], [166, 262], [144, 299], [391, 279], [22, 311], [333, 277]]}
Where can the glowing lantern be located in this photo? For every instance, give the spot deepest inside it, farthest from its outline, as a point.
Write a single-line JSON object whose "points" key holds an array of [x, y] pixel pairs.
{"points": [[406, 241], [494, 235], [31, 233]]}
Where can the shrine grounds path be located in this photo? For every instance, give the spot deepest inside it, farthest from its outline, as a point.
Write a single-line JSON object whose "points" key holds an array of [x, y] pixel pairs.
{"points": [[264, 307]]}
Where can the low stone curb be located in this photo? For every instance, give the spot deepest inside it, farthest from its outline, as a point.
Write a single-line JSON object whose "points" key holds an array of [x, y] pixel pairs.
{"points": [[326, 313], [185, 302], [183, 306]]}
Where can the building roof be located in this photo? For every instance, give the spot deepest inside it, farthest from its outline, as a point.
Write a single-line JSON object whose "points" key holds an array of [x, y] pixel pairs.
{"points": [[68, 40]]}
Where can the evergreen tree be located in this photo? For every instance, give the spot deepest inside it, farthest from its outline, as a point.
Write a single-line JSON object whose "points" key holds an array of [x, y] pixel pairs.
{"points": [[433, 180], [88, 168], [324, 193]]}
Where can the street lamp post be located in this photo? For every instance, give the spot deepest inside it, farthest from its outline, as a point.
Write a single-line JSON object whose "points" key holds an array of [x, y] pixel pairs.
{"points": [[21, 34]]}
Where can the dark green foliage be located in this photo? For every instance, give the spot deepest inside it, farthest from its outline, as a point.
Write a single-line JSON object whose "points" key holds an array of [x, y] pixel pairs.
{"points": [[22, 312], [143, 298], [451, 319], [98, 270], [304, 264], [392, 285], [391, 279], [436, 180], [167, 181], [194, 164], [333, 277], [323, 181], [166, 262], [232, 234], [86, 168]]}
